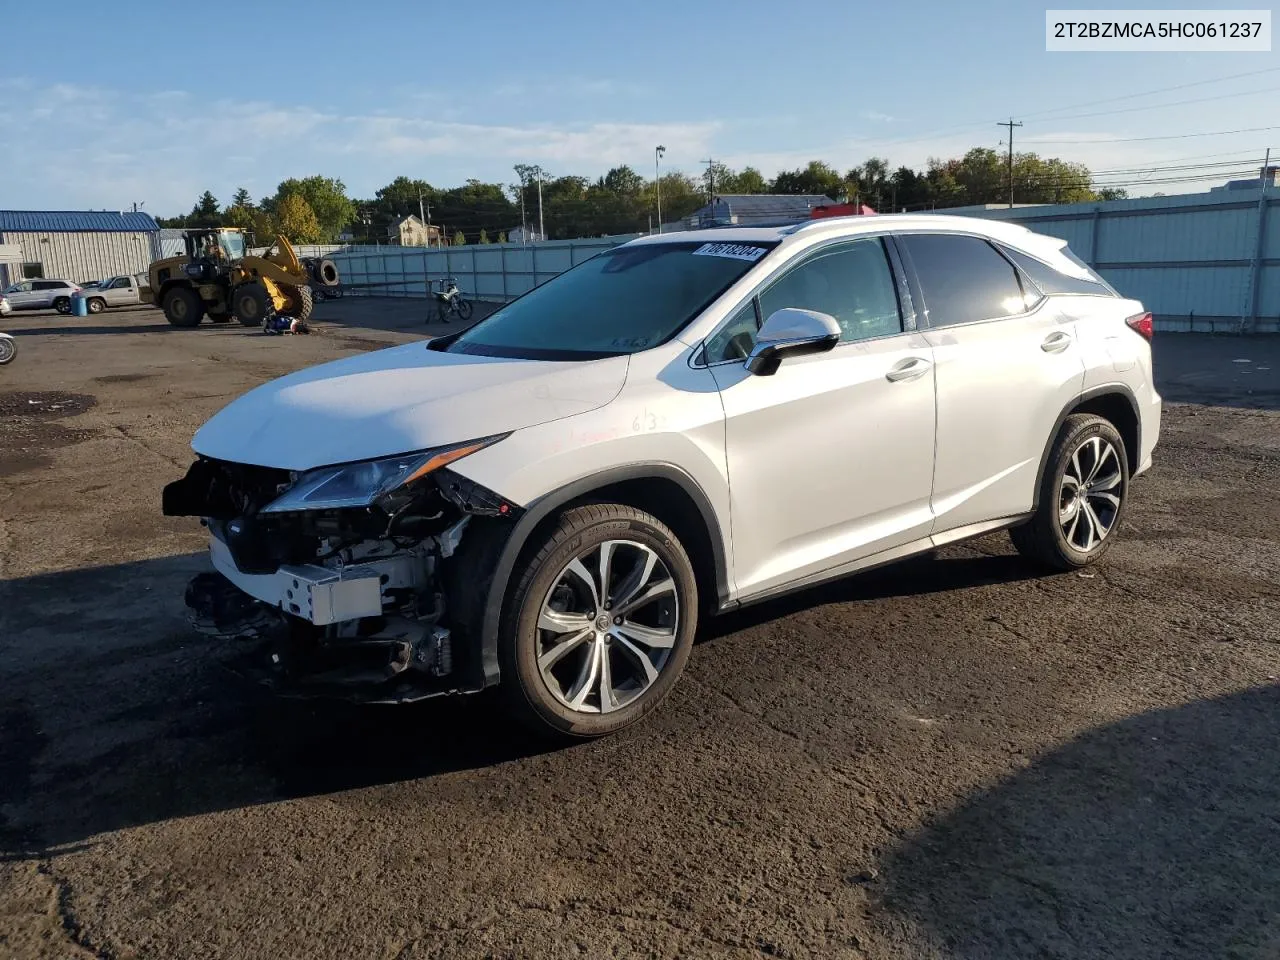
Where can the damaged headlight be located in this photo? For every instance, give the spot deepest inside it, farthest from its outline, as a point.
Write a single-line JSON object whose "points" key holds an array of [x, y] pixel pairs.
{"points": [[361, 484]]}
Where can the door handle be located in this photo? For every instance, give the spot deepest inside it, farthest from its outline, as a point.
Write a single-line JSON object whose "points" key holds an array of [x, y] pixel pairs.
{"points": [[908, 369], [1056, 342]]}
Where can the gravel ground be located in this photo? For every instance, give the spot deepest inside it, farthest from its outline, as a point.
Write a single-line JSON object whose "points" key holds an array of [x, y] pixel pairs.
{"points": [[954, 758]]}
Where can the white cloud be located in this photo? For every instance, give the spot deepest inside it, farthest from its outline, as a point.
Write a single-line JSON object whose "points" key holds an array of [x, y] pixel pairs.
{"points": [[153, 147], [877, 117]]}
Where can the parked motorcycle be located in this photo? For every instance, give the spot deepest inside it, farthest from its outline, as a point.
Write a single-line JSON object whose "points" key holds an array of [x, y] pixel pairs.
{"points": [[8, 348]]}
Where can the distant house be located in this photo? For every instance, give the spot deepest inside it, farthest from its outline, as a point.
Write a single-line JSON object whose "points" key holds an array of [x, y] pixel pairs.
{"points": [[412, 232], [1252, 183], [524, 235], [755, 209]]}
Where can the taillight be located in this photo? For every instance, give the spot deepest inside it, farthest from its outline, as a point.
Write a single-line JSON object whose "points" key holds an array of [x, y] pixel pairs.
{"points": [[1142, 325]]}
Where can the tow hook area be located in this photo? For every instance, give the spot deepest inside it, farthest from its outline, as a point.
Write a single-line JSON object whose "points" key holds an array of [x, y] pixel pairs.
{"points": [[373, 660]]}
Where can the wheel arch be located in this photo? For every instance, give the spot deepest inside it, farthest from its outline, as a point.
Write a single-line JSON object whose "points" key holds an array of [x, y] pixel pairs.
{"points": [[664, 490], [1113, 402]]}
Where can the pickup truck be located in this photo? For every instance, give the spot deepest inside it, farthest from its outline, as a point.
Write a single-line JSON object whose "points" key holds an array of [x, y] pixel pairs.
{"points": [[120, 291]]}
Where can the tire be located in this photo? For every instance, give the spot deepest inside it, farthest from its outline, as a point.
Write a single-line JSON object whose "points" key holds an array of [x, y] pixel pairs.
{"points": [[8, 350], [464, 308], [250, 304], [182, 307], [302, 304], [96, 305], [325, 272], [559, 703], [1072, 529], [62, 304]]}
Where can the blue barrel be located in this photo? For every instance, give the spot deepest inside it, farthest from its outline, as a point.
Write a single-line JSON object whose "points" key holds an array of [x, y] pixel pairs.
{"points": [[79, 306]]}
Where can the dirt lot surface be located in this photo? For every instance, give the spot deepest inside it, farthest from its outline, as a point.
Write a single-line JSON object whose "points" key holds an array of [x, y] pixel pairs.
{"points": [[953, 758]]}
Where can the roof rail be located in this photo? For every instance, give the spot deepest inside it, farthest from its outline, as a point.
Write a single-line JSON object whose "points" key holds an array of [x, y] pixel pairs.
{"points": [[806, 224]]}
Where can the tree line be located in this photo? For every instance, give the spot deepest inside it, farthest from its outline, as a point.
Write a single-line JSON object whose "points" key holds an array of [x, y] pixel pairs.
{"points": [[317, 209]]}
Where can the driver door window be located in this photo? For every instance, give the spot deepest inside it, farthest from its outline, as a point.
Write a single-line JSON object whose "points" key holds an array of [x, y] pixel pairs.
{"points": [[735, 339], [849, 281]]}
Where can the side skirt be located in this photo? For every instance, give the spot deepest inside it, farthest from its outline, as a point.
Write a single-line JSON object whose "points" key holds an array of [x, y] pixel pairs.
{"points": [[883, 558]]}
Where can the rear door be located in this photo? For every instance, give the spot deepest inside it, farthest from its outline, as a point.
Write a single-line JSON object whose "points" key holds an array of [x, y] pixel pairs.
{"points": [[1007, 363], [831, 457]]}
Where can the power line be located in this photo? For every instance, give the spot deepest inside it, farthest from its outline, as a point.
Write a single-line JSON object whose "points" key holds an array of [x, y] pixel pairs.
{"points": [[1172, 136], [1149, 93], [1158, 106]]}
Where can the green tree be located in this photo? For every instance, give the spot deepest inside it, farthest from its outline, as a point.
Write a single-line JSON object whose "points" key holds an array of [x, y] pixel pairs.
{"points": [[459, 240], [816, 178], [206, 212], [484, 236], [242, 198], [1113, 193], [502, 237], [297, 220], [622, 182], [328, 200]]}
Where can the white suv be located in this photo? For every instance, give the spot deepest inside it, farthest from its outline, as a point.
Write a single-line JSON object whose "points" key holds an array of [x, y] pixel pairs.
{"points": [[41, 295], [677, 427]]}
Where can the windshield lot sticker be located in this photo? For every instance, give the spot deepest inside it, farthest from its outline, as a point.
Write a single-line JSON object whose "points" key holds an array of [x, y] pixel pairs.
{"points": [[734, 251]]}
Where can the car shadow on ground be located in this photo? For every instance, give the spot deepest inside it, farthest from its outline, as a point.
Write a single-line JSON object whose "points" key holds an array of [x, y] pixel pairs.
{"points": [[1156, 836], [118, 714]]}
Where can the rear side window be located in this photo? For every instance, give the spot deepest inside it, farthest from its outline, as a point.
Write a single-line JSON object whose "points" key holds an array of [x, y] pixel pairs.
{"points": [[964, 279], [1051, 281]]}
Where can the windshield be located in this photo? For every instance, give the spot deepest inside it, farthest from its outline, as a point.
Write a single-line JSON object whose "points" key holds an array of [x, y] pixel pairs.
{"points": [[623, 301], [232, 245]]}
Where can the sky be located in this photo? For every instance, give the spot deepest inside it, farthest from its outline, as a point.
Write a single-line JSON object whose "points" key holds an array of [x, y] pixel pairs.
{"points": [[156, 104]]}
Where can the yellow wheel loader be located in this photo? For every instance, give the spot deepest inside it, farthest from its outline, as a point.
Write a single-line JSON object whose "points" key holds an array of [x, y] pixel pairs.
{"points": [[218, 279]]}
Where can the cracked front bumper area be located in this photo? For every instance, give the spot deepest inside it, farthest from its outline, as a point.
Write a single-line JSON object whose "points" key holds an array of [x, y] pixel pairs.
{"points": [[346, 603], [378, 659]]}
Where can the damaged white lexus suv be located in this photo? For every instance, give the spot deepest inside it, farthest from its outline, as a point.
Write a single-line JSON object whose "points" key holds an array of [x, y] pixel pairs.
{"points": [[551, 499]]}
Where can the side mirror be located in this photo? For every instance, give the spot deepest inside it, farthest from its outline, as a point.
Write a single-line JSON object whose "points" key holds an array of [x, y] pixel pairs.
{"points": [[791, 332]]}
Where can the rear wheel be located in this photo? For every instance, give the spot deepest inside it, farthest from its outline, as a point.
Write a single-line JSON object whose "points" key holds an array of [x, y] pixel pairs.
{"points": [[8, 349], [251, 304], [182, 308], [1082, 496], [62, 304], [600, 623]]}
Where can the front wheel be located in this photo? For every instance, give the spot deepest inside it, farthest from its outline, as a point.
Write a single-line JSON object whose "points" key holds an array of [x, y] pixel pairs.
{"points": [[8, 349], [464, 308], [251, 304], [600, 622], [1082, 496], [97, 305]]}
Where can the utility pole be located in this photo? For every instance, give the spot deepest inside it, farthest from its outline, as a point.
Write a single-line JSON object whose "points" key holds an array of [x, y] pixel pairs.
{"points": [[542, 226], [658, 151], [1010, 125], [524, 226], [711, 180]]}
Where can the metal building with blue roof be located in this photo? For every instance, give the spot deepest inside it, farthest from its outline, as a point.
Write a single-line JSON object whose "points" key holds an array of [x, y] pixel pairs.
{"points": [[75, 245]]}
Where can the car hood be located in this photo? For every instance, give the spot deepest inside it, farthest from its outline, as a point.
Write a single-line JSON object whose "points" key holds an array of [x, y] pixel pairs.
{"points": [[399, 400]]}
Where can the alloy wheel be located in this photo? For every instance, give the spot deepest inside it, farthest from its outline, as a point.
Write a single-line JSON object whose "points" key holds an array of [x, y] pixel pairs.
{"points": [[607, 626], [1091, 492]]}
